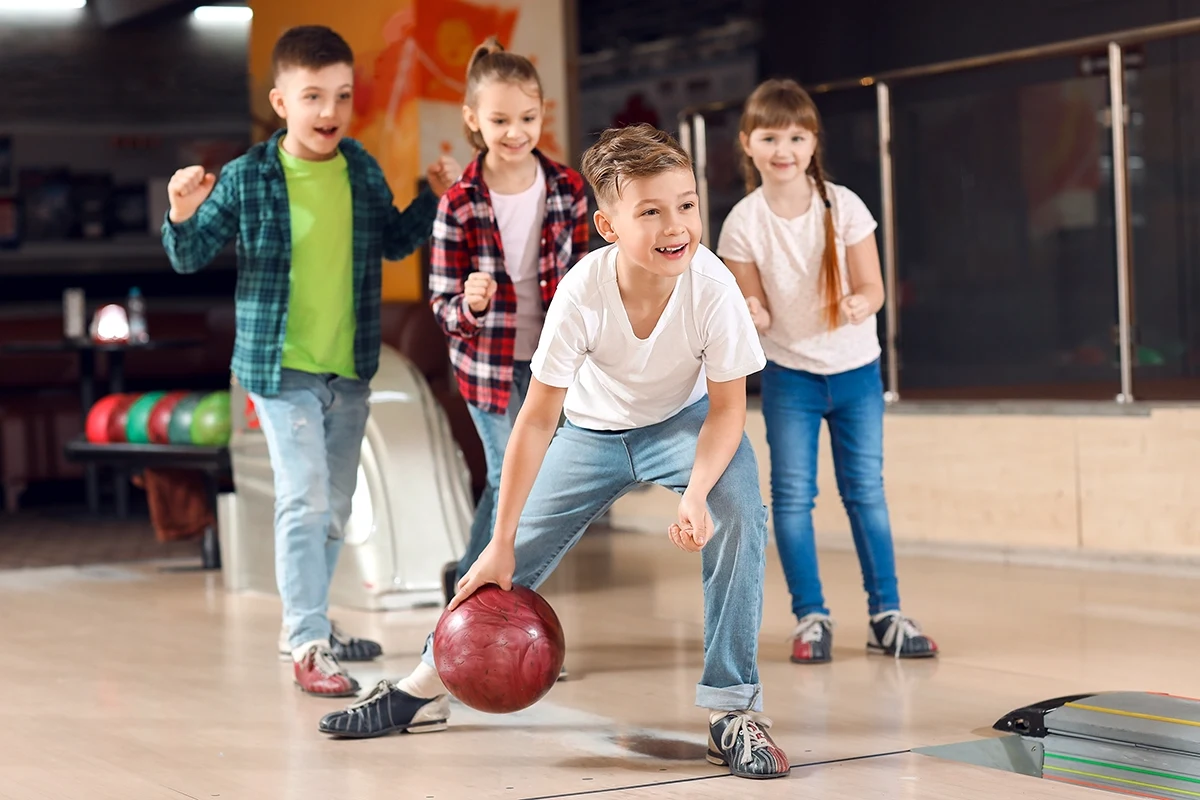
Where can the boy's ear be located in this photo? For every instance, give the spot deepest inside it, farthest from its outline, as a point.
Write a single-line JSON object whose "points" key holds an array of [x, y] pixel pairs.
{"points": [[604, 227], [276, 98]]}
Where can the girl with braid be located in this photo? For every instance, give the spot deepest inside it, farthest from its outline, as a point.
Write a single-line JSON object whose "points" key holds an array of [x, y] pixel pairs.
{"points": [[804, 254]]}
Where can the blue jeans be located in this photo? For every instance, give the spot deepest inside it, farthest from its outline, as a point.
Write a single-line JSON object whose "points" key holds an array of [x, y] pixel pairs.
{"points": [[314, 430], [493, 430], [584, 473], [794, 403]]}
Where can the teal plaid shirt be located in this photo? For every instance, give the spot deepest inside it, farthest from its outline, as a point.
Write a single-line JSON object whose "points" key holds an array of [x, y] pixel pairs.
{"points": [[250, 202]]}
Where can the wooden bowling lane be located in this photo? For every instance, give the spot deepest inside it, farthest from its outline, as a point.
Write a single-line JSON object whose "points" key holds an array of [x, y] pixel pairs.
{"points": [[903, 775], [133, 683]]}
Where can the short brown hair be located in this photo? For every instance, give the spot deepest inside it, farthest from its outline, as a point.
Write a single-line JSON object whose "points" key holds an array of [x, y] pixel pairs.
{"points": [[310, 47], [623, 154]]}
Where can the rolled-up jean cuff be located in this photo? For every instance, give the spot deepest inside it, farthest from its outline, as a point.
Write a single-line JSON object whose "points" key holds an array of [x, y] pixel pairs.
{"points": [[747, 697], [427, 653]]}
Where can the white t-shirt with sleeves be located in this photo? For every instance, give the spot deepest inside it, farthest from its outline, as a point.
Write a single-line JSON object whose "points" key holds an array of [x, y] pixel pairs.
{"points": [[788, 255], [616, 381]]}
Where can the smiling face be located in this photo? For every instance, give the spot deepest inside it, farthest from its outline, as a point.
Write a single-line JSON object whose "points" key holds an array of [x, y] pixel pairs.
{"points": [[508, 115], [655, 221], [317, 105], [780, 155]]}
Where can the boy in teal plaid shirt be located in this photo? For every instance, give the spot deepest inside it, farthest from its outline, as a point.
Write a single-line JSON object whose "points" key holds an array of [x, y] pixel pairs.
{"points": [[314, 218]]}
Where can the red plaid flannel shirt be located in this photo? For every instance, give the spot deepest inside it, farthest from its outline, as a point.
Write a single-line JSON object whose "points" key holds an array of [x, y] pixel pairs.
{"points": [[466, 239]]}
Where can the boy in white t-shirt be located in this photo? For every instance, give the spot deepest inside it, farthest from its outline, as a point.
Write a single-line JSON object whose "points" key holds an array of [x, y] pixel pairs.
{"points": [[646, 346]]}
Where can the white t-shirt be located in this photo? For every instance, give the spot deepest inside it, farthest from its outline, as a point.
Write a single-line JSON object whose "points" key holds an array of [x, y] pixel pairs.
{"points": [[788, 255], [616, 381], [519, 218]]}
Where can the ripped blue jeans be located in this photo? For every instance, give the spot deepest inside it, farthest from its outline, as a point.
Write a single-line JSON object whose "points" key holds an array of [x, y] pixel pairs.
{"points": [[314, 430]]}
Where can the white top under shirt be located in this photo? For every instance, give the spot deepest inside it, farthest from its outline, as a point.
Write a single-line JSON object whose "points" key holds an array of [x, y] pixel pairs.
{"points": [[520, 217], [616, 381], [788, 256]]}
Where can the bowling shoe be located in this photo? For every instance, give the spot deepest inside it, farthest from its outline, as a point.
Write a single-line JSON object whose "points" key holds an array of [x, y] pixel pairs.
{"points": [[739, 740], [349, 648], [318, 673], [344, 646], [893, 634], [812, 641], [387, 710]]}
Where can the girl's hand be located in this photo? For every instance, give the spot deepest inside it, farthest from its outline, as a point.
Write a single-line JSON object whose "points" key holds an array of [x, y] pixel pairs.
{"points": [[478, 291], [758, 314], [855, 308]]}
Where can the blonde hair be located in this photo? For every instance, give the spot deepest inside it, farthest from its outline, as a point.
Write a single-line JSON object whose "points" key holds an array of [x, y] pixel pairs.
{"points": [[625, 154], [491, 62], [780, 104]]}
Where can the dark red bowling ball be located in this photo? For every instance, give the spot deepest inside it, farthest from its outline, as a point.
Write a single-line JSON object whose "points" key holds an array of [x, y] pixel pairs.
{"points": [[499, 651], [120, 416]]}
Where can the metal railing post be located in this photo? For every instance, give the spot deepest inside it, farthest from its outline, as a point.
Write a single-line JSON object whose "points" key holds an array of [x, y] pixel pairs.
{"points": [[1121, 220], [891, 308], [700, 158]]}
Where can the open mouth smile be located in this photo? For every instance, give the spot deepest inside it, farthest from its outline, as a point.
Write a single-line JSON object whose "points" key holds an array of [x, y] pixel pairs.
{"points": [[674, 251]]}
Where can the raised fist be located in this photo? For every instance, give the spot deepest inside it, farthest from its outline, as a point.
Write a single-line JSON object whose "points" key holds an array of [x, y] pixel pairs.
{"points": [[478, 291], [188, 188]]}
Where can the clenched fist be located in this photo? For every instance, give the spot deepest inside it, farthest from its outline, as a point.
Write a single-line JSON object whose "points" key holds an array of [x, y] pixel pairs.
{"points": [[856, 308], [442, 174], [758, 314], [188, 188], [478, 291]]}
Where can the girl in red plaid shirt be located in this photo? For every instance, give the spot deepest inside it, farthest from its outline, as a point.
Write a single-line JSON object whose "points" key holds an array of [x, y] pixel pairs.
{"points": [[504, 236]]}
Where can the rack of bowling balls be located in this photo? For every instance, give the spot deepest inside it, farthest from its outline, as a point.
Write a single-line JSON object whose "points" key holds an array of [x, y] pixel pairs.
{"points": [[161, 418]]}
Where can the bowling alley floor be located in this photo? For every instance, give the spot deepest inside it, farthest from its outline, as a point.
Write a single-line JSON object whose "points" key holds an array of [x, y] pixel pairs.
{"points": [[132, 682]]}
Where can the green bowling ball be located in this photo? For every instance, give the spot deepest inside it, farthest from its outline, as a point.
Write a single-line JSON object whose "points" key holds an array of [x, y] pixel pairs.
{"points": [[179, 430], [211, 423], [137, 424]]}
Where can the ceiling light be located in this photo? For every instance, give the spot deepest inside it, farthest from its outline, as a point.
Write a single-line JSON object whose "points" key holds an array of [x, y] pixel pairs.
{"points": [[41, 5], [222, 13]]}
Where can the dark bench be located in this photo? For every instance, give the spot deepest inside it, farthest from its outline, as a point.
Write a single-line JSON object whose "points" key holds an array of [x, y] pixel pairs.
{"points": [[212, 462]]}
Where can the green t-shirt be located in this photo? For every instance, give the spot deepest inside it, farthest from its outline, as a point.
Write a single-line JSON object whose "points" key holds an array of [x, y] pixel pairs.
{"points": [[320, 319]]}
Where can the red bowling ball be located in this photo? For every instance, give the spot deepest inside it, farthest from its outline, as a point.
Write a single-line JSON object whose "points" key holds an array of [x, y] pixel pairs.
{"points": [[99, 418], [499, 651], [160, 417]]}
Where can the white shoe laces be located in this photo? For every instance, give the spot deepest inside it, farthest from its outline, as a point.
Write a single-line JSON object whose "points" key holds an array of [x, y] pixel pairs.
{"points": [[812, 628], [381, 688], [325, 663], [747, 725], [900, 629]]}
